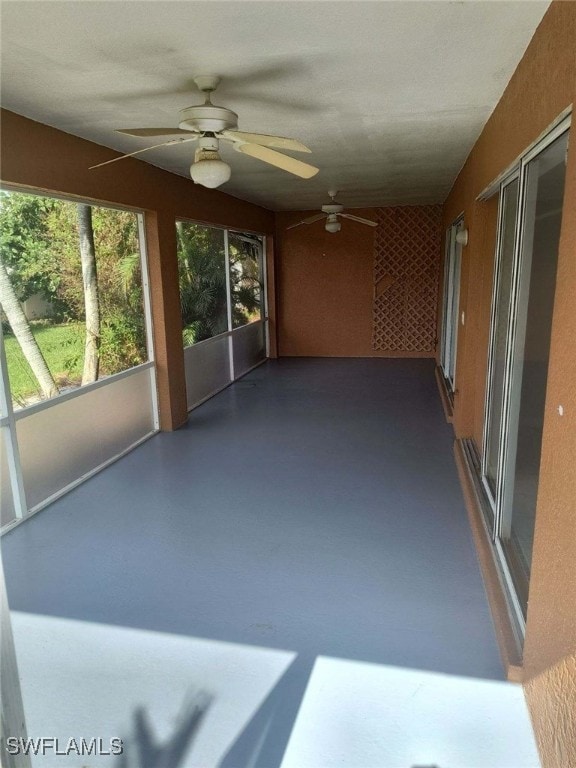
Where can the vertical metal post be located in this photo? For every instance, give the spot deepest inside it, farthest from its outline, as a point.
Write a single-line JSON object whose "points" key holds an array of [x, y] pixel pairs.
{"points": [[455, 324], [446, 281], [493, 318], [449, 319], [13, 720], [7, 421], [264, 309], [229, 305], [148, 317]]}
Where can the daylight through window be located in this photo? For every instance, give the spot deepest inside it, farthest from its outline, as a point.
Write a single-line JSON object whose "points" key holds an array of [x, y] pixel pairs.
{"points": [[71, 294]]}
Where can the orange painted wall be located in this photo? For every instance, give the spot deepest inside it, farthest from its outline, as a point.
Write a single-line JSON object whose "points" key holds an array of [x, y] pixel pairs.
{"points": [[326, 284], [43, 158], [543, 85], [325, 287]]}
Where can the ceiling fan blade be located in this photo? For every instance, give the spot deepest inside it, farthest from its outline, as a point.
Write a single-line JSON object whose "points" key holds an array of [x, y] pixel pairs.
{"points": [[309, 220], [138, 151], [270, 156], [152, 131], [359, 219], [264, 140]]}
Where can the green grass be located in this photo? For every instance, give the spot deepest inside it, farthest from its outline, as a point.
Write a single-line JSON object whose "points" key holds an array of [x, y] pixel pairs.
{"points": [[63, 350]]}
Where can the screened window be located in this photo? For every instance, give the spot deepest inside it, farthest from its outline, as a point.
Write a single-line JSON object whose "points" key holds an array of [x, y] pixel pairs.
{"points": [[71, 294], [202, 276], [245, 256], [222, 297]]}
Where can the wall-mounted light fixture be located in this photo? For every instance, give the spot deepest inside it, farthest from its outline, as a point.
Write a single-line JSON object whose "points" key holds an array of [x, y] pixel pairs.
{"points": [[462, 237]]}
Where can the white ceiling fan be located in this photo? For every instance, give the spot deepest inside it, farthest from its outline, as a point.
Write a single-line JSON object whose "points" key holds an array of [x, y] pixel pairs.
{"points": [[332, 212], [208, 124]]}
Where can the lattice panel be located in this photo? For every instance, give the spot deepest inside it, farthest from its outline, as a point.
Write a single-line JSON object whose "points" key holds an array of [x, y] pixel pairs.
{"points": [[407, 247]]}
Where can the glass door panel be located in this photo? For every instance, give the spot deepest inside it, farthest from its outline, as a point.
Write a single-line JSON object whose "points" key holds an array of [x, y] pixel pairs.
{"points": [[455, 302], [445, 299], [528, 361], [503, 283]]}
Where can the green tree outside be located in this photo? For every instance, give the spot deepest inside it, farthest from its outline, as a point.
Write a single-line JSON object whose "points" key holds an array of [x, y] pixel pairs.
{"points": [[40, 249]]}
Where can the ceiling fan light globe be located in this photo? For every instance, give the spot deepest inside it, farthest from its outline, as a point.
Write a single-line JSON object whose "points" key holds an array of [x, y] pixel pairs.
{"points": [[333, 226], [210, 171]]}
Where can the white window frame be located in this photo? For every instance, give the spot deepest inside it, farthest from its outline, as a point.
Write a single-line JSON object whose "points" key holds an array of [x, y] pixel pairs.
{"points": [[510, 394], [493, 312], [147, 307], [9, 417], [451, 304], [231, 332]]}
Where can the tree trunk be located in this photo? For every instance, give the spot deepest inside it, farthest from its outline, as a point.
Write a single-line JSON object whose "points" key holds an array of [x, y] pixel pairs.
{"points": [[21, 330], [90, 279], [183, 260]]}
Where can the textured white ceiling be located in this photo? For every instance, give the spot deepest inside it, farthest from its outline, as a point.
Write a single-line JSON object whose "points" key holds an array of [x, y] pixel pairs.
{"points": [[390, 96]]}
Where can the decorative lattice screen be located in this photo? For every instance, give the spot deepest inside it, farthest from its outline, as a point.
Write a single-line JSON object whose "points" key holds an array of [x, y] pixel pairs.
{"points": [[407, 247]]}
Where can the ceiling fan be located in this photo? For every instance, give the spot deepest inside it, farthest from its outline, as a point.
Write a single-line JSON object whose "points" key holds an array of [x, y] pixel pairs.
{"points": [[208, 124], [332, 212]]}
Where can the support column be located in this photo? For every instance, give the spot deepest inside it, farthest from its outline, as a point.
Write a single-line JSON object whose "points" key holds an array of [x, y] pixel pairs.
{"points": [[166, 319], [272, 298]]}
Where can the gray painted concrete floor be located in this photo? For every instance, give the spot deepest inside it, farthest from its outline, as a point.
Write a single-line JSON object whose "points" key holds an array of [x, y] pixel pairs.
{"points": [[312, 509]]}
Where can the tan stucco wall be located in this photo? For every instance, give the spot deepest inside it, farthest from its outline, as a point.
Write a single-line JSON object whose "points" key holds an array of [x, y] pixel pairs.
{"points": [[326, 305], [543, 85], [325, 286], [43, 158], [326, 282], [551, 696]]}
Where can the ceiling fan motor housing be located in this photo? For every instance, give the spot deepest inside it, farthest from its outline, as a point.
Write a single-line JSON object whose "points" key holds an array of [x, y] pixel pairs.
{"points": [[332, 208], [207, 118]]}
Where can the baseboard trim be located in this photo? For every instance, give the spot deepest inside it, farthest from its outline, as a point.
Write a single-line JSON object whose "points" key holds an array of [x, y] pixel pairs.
{"points": [[504, 625], [444, 395]]}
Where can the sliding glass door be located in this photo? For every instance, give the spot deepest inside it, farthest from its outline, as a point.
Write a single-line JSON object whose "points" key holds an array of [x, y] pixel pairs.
{"points": [[529, 233], [500, 312]]}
